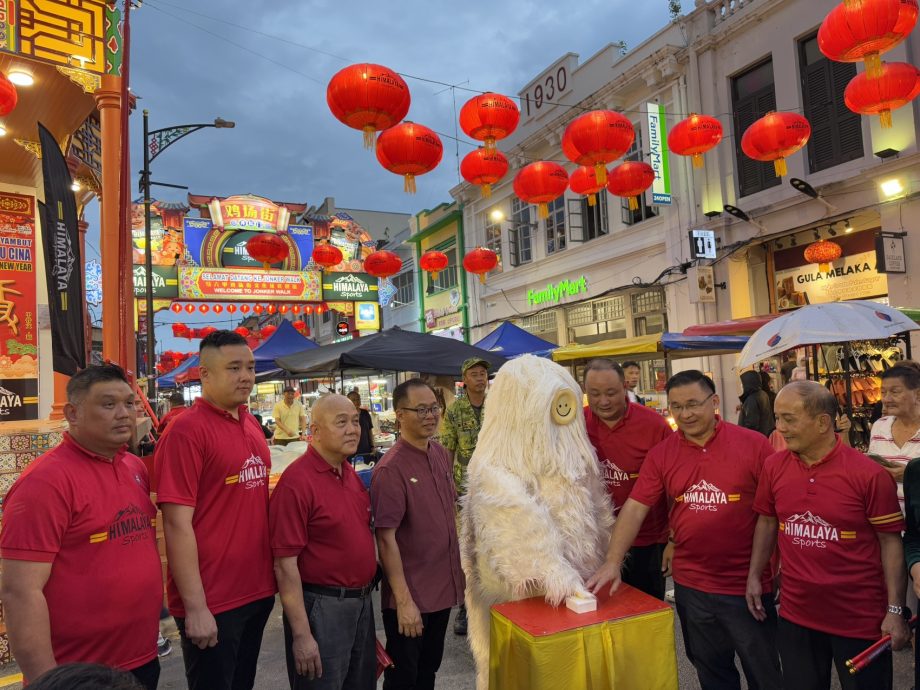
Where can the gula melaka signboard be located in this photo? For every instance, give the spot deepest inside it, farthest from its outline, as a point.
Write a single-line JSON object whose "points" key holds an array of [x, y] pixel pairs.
{"points": [[553, 294], [350, 287]]}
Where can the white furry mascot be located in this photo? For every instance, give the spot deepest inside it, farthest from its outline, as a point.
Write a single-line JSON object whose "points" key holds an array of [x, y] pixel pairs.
{"points": [[536, 518]]}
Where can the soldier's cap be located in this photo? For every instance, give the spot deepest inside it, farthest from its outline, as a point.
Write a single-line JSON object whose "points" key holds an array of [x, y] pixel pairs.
{"points": [[473, 362]]}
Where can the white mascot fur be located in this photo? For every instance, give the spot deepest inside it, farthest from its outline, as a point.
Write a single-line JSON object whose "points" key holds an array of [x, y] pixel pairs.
{"points": [[536, 518]]}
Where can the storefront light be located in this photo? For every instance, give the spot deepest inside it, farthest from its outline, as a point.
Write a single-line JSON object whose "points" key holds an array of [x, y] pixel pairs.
{"points": [[2, 131], [20, 78], [892, 187], [497, 215]]}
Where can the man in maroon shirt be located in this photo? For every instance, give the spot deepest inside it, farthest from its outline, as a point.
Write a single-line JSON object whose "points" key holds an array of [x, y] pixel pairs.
{"points": [[839, 524], [622, 433], [325, 561], [710, 470], [212, 468], [81, 571], [176, 407], [413, 496]]}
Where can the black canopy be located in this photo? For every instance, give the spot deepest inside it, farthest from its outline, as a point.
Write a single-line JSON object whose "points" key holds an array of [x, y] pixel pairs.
{"points": [[390, 350]]}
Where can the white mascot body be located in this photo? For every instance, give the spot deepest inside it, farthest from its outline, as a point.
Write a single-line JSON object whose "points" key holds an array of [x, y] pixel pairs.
{"points": [[536, 518]]}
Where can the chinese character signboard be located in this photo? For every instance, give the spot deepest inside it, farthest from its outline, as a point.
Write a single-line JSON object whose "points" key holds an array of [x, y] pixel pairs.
{"points": [[243, 284], [350, 287], [249, 212]]}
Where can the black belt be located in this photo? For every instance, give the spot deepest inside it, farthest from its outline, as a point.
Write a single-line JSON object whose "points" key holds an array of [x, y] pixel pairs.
{"points": [[340, 592]]}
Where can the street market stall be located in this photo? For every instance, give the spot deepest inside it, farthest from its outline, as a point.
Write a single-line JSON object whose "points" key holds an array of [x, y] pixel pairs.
{"points": [[509, 341]]}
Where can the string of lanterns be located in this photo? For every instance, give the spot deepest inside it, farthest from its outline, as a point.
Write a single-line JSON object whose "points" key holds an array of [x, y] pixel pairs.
{"points": [[204, 308]]}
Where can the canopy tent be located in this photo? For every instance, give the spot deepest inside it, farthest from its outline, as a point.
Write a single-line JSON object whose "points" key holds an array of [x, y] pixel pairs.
{"points": [[618, 347], [510, 341], [169, 380], [390, 350], [677, 345], [749, 324], [643, 347]]}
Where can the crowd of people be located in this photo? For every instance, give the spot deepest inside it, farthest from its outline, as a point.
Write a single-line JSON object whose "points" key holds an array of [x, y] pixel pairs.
{"points": [[713, 506]]}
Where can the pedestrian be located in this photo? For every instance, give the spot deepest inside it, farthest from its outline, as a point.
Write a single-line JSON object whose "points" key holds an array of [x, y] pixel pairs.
{"points": [[756, 412], [413, 497], [632, 373], [212, 470], [325, 561], [912, 540], [622, 433], [895, 437], [835, 516], [176, 407], [366, 441], [290, 418], [709, 469], [82, 579]]}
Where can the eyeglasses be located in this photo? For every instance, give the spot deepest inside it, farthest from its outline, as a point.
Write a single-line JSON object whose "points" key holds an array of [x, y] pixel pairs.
{"points": [[423, 412], [691, 406]]}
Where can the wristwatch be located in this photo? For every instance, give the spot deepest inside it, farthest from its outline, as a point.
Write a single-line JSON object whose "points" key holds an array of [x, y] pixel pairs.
{"points": [[899, 610]]}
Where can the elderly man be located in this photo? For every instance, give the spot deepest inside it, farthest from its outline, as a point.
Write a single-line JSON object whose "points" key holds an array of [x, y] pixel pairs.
{"points": [[413, 495], [290, 418], [710, 470], [839, 525], [81, 572], [325, 562]]}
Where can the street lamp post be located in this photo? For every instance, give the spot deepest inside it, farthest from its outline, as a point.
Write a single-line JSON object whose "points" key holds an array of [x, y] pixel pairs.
{"points": [[155, 142]]}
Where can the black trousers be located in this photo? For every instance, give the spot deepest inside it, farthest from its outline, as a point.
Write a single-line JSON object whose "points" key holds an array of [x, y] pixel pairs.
{"points": [[808, 655], [231, 664], [718, 626], [416, 659], [642, 569], [148, 675]]}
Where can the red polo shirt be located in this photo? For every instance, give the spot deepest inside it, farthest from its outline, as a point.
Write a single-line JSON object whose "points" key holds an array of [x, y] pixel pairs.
{"points": [[829, 515], [713, 519], [413, 491], [219, 466], [91, 518], [325, 520], [621, 450]]}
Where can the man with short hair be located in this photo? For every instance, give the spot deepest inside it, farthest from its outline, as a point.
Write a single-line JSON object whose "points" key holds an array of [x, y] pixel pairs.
{"points": [[81, 572], [836, 517], [290, 418], [413, 496], [366, 439], [622, 433], [325, 561], [632, 372], [176, 407], [710, 470], [212, 469]]}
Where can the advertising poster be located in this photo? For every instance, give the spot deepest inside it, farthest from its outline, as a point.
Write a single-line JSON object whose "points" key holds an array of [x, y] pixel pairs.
{"points": [[350, 287], [240, 284]]}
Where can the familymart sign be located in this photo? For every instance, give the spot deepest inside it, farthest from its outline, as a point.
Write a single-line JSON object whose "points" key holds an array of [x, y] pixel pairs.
{"points": [[553, 294]]}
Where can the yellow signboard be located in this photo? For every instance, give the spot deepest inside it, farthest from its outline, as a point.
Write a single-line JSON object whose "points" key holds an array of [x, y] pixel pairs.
{"points": [[367, 316]]}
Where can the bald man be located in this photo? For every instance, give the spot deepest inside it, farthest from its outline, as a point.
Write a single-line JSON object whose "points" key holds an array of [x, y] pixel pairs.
{"points": [[836, 517], [325, 561]]}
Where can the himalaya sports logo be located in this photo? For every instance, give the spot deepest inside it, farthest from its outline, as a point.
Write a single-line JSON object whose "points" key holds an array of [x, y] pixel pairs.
{"points": [[131, 524], [811, 531], [614, 476], [252, 474], [704, 496]]}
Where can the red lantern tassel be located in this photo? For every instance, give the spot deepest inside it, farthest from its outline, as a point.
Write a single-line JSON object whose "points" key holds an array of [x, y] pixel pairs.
{"points": [[697, 159], [873, 65], [542, 210], [592, 199], [370, 137], [487, 189], [434, 276], [600, 173], [779, 167], [633, 203], [489, 143], [409, 183], [885, 119], [482, 278], [824, 268]]}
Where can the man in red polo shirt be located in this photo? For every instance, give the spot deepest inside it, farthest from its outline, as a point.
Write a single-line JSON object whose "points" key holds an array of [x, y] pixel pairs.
{"points": [[413, 496], [839, 525], [212, 468], [325, 561], [710, 470], [622, 433], [81, 571]]}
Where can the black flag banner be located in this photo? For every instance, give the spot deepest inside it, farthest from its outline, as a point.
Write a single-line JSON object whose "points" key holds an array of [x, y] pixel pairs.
{"points": [[62, 259]]}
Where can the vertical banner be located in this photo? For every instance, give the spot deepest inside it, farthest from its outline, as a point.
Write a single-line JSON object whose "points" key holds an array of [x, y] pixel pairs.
{"points": [[658, 154], [62, 259]]}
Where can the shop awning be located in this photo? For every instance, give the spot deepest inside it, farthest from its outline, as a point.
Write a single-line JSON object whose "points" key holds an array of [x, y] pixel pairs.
{"points": [[679, 345], [509, 340], [744, 326], [674, 345], [618, 347]]}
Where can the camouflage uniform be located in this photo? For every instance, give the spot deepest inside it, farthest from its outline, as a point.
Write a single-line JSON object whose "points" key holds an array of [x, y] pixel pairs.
{"points": [[459, 431]]}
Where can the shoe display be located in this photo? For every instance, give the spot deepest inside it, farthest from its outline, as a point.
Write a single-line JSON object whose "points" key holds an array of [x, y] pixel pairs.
{"points": [[460, 621], [164, 647]]}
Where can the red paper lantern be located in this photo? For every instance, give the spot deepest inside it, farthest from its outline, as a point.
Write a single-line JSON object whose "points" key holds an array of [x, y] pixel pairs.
{"points": [[489, 117], [206, 331], [299, 325], [484, 167], [597, 138], [308, 310], [694, 136], [368, 97], [539, 183], [8, 95], [271, 309], [176, 307], [382, 264], [241, 330], [180, 330], [244, 308], [267, 248], [630, 179], [268, 330], [218, 309], [823, 252], [326, 255], [855, 31], [231, 308], [409, 149], [203, 308], [295, 309], [480, 261], [283, 309], [189, 308], [258, 309], [433, 262], [583, 180], [897, 86], [774, 137], [322, 308]]}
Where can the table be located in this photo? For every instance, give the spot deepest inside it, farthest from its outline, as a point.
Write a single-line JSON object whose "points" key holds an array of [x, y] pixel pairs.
{"points": [[627, 644]]}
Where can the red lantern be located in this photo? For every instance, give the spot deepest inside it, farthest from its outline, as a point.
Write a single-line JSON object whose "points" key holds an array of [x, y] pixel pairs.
{"points": [[180, 330], [322, 308], [326, 255], [189, 308], [218, 309], [268, 248], [409, 149], [231, 308], [539, 183], [176, 307], [244, 308], [308, 310], [897, 86], [8, 95], [283, 309], [268, 330], [823, 252], [484, 167], [241, 330], [598, 138], [480, 261], [203, 308], [368, 97], [382, 264], [695, 136], [271, 309], [630, 179], [583, 180], [855, 31], [299, 325], [489, 117], [295, 309], [433, 262], [774, 137], [206, 331]]}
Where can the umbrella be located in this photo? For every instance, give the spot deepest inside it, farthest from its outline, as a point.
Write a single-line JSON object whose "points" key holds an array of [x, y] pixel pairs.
{"points": [[834, 322]]}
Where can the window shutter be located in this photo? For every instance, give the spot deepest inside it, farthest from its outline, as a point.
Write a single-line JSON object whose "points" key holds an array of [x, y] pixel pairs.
{"points": [[849, 124], [576, 220], [753, 176]]}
